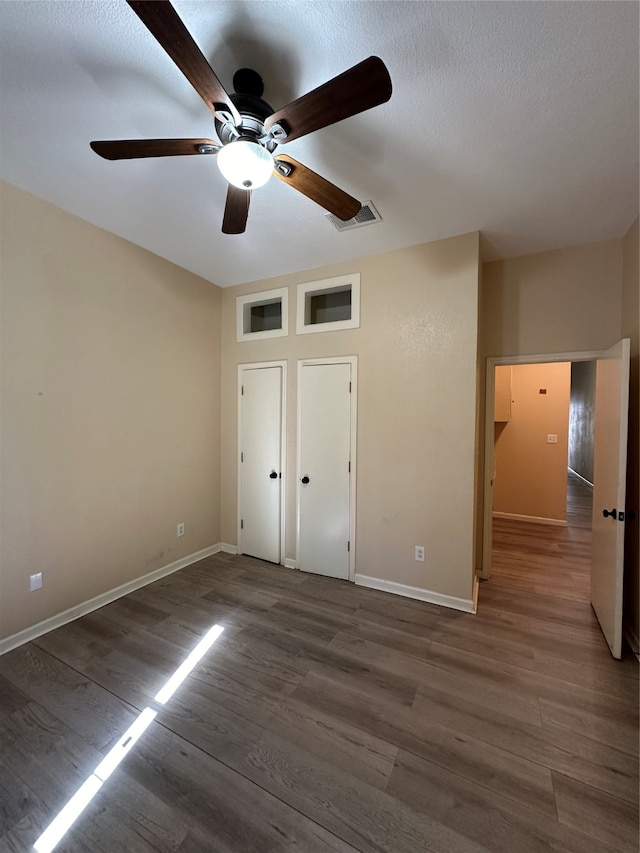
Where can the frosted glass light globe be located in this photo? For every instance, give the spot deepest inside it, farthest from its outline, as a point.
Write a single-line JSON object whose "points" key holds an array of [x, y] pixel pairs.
{"points": [[245, 164]]}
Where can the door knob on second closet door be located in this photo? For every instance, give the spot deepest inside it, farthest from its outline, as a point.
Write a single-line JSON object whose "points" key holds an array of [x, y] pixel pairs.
{"points": [[304, 480], [609, 512], [273, 475]]}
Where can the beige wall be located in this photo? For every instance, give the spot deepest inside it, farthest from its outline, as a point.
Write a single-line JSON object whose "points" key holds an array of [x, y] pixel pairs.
{"points": [[567, 300], [110, 411], [630, 325], [416, 349], [530, 474]]}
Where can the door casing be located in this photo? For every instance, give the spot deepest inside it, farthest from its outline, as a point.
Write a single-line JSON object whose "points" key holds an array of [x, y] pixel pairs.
{"points": [[353, 361], [283, 449]]}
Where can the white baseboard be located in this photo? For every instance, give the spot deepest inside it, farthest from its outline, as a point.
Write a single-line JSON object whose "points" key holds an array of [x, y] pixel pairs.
{"points": [[533, 519], [464, 604], [85, 607], [580, 477], [233, 549]]}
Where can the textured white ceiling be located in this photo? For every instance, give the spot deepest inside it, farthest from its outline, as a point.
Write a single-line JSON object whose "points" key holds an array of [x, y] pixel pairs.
{"points": [[518, 119]]}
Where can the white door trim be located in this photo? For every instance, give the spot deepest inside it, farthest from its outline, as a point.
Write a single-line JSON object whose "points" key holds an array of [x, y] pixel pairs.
{"points": [[353, 361], [492, 363], [258, 365]]}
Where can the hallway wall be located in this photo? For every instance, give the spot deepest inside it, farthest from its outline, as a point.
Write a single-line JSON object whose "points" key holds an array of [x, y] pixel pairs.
{"points": [[582, 409], [530, 473]]}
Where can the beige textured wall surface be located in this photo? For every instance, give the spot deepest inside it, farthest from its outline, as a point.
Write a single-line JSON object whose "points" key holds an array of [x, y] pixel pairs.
{"points": [[530, 474], [630, 329], [110, 419], [416, 349], [567, 300]]}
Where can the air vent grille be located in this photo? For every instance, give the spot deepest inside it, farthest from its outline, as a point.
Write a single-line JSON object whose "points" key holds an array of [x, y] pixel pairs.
{"points": [[365, 216]]}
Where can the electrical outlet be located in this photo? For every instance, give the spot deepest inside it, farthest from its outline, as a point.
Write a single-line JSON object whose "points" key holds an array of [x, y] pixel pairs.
{"points": [[552, 439], [180, 529], [420, 553], [35, 582]]}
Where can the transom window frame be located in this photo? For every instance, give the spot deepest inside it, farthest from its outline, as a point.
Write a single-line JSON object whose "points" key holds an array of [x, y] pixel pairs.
{"points": [[307, 289], [264, 297]]}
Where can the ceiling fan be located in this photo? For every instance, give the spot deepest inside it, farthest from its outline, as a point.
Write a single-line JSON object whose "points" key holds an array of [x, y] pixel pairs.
{"points": [[249, 131]]}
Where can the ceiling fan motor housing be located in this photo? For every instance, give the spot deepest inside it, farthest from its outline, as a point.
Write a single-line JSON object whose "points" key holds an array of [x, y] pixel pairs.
{"points": [[253, 113]]}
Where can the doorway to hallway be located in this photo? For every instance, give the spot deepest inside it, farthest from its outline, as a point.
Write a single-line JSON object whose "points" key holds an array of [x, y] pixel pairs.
{"points": [[609, 509]]}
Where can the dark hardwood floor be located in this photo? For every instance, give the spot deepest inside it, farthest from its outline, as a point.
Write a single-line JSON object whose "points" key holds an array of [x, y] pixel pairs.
{"points": [[328, 717]]}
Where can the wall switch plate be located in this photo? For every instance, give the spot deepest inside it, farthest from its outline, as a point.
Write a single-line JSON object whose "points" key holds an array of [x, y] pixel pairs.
{"points": [[35, 582], [180, 529], [420, 553], [552, 439]]}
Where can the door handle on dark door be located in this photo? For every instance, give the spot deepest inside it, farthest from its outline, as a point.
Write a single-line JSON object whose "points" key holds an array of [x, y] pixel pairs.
{"points": [[273, 475], [304, 480], [609, 512]]}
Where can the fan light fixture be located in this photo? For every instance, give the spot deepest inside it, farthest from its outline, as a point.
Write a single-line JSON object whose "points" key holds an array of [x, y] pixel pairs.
{"points": [[245, 164]]}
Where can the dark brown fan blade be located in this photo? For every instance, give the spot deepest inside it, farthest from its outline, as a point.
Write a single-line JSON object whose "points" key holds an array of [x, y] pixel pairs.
{"points": [[324, 193], [364, 86], [236, 210], [163, 22], [129, 149]]}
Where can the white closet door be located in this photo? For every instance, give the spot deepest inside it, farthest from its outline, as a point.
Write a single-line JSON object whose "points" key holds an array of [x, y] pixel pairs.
{"points": [[324, 448], [260, 462]]}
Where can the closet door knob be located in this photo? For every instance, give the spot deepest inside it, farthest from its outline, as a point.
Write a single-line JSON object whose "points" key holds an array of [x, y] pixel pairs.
{"points": [[273, 475], [609, 512], [305, 480]]}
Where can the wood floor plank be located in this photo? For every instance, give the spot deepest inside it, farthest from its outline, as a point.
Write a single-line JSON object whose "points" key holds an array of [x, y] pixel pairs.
{"points": [[618, 682], [493, 634], [234, 813], [372, 681], [198, 719], [95, 713], [249, 607], [416, 732], [498, 823], [493, 685], [564, 750], [346, 747], [600, 815], [21, 836], [353, 625], [365, 817], [11, 697], [617, 729]]}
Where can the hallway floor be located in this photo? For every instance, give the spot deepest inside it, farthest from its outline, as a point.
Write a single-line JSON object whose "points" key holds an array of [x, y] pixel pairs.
{"points": [[541, 558]]}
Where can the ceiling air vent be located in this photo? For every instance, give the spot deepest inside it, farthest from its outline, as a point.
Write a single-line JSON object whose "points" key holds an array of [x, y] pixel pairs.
{"points": [[367, 215]]}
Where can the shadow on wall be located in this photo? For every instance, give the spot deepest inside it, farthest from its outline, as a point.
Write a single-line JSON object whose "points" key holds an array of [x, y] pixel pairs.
{"points": [[499, 303], [582, 410]]}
